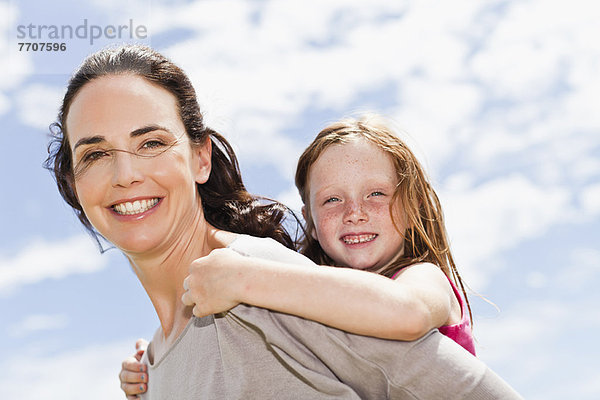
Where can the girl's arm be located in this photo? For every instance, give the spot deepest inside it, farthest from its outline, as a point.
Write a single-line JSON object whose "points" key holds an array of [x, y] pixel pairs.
{"points": [[133, 375], [365, 303]]}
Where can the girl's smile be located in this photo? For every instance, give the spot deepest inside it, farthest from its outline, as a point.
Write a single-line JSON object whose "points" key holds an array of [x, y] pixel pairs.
{"points": [[357, 239]]}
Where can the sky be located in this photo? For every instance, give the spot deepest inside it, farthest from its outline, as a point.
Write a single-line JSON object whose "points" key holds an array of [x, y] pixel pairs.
{"points": [[499, 99]]}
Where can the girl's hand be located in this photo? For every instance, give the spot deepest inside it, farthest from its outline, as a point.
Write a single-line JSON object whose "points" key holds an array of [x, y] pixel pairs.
{"points": [[211, 286], [133, 374]]}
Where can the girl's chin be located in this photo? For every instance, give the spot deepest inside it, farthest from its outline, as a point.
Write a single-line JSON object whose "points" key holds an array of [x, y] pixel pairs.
{"points": [[366, 265], [359, 265]]}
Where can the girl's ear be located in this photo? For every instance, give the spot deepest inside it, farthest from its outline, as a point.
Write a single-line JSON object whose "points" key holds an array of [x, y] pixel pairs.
{"points": [[202, 161], [313, 232]]}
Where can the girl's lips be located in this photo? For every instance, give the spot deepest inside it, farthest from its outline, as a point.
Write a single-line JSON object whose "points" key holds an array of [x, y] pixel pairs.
{"points": [[358, 238], [134, 207]]}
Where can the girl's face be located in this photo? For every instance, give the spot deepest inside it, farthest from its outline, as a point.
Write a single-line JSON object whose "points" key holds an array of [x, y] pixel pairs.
{"points": [[135, 168], [350, 188]]}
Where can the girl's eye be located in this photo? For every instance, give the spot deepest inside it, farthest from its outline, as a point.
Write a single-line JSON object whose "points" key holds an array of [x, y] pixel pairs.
{"points": [[377, 193], [331, 200]]}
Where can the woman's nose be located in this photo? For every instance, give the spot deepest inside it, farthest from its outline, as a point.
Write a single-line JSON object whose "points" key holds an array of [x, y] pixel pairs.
{"points": [[355, 212], [125, 169]]}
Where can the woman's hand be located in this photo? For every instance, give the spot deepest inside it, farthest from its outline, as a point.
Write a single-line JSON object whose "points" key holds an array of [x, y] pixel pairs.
{"points": [[133, 374], [211, 286]]}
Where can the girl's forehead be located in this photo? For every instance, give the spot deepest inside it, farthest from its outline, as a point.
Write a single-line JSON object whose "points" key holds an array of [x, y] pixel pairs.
{"points": [[355, 151], [350, 164]]}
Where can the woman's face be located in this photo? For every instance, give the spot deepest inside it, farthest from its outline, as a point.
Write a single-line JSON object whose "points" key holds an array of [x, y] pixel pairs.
{"points": [[135, 168], [350, 189]]}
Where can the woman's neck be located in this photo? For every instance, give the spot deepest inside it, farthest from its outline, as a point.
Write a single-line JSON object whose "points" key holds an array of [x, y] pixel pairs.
{"points": [[163, 270]]}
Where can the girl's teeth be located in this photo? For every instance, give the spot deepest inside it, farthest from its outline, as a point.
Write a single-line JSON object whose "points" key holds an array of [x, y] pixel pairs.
{"points": [[137, 207], [358, 239]]}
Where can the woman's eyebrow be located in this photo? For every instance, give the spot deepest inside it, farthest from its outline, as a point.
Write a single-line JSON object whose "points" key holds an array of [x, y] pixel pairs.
{"points": [[135, 133], [145, 129], [89, 140]]}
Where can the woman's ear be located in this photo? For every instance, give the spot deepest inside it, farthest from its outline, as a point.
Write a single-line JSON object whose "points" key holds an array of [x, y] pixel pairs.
{"points": [[202, 161]]}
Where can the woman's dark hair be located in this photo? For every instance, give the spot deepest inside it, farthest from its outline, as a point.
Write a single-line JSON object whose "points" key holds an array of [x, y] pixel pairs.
{"points": [[225, 201]]}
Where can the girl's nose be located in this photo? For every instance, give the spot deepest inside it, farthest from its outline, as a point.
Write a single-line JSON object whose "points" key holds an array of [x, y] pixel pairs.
{"points": [[355, 212], [125, 169]]}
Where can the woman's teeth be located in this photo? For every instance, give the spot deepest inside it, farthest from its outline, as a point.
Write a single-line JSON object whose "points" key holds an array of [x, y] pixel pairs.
{"points": [[355, 239], [135, 207]]}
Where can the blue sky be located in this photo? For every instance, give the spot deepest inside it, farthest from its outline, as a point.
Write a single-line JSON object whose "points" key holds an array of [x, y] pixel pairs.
{"points": [[499, 99]]}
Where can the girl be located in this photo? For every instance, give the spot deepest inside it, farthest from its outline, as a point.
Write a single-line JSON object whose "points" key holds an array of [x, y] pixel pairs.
{"points": [[370, 210]]}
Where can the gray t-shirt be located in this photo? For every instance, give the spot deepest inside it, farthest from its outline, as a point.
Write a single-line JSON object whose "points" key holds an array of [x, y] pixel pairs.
{"points": [[253, 353]]}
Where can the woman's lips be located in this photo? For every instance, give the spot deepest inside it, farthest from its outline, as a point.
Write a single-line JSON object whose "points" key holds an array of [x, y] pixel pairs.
{"points": [[135, 207]]}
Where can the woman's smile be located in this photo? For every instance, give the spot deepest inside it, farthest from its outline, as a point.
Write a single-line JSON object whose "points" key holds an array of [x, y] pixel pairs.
{"points": [[135, 207]]}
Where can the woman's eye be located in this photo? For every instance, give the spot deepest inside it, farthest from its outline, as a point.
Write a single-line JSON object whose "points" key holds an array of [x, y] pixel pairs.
{"points": [[152, 148], [94, 155], [152, 144]]}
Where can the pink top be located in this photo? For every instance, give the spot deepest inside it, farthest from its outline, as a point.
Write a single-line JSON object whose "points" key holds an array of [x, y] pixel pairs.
{"points": [[461, 332]]}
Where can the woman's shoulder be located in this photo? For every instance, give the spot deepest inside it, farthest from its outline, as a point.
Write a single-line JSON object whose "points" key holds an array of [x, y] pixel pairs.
{"points": [[266, 248]]}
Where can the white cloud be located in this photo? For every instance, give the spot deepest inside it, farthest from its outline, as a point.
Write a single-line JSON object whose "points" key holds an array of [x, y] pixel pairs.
{"points": [[15, 65], [32, 324], [508, 89], [428, 52], [268, 83], [582, 272], [521, 333], [91, 372], [523, 58], [41, 260], [590, 197], [497, 215], [586, 167], [529, 340], [448, 65], [38, 105], [264, 145], [4, 104], [291, 198]]}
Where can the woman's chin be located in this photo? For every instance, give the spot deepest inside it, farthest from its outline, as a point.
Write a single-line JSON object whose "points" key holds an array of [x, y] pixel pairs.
{"points": [[135, 245]]}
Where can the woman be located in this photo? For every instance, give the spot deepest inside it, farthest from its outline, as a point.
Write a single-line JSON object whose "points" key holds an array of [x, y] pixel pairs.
{"points": [[133, 158]]}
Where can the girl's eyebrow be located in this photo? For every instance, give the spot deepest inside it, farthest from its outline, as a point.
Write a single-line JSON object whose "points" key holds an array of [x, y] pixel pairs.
{"points": [[135, 133]]}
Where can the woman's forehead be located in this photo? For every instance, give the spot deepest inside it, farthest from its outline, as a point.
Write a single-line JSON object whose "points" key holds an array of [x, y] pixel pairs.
{"points": [[119, 104]]}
